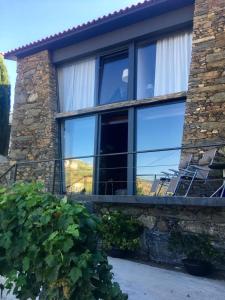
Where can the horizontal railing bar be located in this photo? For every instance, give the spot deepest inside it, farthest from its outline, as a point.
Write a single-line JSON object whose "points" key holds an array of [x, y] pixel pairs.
{"points": [[122, 153]]}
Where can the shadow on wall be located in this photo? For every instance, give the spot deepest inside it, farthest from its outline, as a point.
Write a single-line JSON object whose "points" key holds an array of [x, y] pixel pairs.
{"points": [[4, 118], [4, 108]]}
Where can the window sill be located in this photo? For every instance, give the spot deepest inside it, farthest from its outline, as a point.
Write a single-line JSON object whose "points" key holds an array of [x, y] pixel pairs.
{"points": [[154, 200], [120, 105]]}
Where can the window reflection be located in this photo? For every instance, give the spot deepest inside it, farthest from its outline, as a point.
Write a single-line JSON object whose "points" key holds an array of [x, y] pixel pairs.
{"points": [[158, 127], [78, 142], [146, 71], [114, 78]]}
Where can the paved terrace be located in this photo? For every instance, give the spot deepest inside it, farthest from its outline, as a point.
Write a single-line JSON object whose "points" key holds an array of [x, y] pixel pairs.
{"points": [[144, 282]]}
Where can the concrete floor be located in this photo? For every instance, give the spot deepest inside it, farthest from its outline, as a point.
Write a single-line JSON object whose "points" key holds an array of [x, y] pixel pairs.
{"points": [[144, 282]]}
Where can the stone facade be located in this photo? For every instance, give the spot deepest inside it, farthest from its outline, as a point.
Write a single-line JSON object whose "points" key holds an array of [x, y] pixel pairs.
{"points": [[34, 129], [159, 220], [33, 126], [205, 106]]}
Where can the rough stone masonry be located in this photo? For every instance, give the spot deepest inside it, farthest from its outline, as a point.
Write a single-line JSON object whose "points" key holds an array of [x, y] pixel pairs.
{"points": [[205, 105], [34, 126], [34, 131]]}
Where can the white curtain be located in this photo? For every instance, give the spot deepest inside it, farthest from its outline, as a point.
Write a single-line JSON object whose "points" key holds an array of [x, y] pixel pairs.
{"points": [[76, 83], [173, 57]]}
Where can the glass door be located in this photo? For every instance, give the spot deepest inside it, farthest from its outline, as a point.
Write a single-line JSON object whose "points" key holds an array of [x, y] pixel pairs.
{"points": [[113, 148]]}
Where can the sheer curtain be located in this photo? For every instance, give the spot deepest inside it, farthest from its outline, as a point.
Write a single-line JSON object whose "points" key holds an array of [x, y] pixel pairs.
{"points": [[76, 84], [173, 56]]}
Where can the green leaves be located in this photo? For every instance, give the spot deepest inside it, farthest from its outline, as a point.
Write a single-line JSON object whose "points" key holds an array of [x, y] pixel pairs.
{"points": [[48, 248], [51, 260], [121, 231], [75, 274], [67, 245], [194, 246], [26, 263], [73, 230]]}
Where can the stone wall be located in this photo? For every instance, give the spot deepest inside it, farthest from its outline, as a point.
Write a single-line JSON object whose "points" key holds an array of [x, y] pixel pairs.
{"points": [[205, 109], [158, 220], [34, 132]]}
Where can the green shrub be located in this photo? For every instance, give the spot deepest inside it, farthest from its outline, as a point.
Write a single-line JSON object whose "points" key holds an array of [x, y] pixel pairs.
{"points": [[193, 246], [49, 248], [120, 231]]}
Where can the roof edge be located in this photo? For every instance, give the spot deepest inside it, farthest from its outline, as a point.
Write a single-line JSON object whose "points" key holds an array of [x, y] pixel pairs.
{"points": [[119, 18]]}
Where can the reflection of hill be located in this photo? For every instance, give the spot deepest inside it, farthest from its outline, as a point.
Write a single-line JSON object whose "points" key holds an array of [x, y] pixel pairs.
{"points": [[78, 176], [143, 186]]}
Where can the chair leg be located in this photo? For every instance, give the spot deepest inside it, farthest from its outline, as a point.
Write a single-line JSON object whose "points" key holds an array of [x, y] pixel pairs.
{"points": [[189, 187], [222, 192], [222, 188]]}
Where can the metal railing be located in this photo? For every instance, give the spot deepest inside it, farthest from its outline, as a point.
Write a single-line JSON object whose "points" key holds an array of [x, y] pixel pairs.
{"points": [[153, 172]]}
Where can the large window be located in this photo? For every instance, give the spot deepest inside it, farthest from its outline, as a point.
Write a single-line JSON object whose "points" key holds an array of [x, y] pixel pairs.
{"points": [[155, 131], [114, 78], [76, 84], [78, 141], [163, 67], [158, 128], [139, 70]]}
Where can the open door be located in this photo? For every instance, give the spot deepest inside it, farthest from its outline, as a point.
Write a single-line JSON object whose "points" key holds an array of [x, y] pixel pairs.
{"points": [[113, 148]]}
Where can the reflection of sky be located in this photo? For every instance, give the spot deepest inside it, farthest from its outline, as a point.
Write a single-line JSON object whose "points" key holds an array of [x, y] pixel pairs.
{"points": [[160, 126], [157, 162], [79, 137], [157, 128]]}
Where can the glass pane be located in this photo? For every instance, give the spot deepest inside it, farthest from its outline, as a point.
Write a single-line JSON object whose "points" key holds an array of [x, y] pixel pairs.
{"points": [[113, 168], [146, 71], [173, 57], [154, 167], [78, 175], [76, 85], [158, 127], [79, 141], [114, 79], [79, 137]]}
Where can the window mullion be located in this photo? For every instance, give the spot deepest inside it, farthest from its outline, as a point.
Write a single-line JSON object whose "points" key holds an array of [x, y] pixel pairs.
{"points": [[97, 80], [130, 158], [131, 80]]}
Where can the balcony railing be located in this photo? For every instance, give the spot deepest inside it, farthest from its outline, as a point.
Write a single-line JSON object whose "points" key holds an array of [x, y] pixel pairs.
{"points": [[195, 171]]}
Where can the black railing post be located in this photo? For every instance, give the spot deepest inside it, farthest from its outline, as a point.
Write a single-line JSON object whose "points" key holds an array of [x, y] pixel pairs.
{"points": [[15, 173], [53, 180]]}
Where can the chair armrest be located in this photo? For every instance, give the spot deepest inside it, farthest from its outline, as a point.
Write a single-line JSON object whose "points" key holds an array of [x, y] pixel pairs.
{"points": [[199, 167]]}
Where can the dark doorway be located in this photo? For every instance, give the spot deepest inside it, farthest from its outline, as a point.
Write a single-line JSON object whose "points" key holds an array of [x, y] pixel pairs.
{"points": [[113, 139]]}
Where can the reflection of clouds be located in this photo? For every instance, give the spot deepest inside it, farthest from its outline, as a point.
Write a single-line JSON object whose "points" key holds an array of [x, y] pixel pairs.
{"points": [[166, 156], [163, 115], [159, 162]]}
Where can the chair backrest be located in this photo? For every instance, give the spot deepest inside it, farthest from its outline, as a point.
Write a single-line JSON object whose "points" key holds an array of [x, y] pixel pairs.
{"points": [[173, 185], [185, 160], [207, 157], [155, 185]]}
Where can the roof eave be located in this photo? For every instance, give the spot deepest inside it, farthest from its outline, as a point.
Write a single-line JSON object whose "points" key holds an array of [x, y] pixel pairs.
{"points": [[90, 30]]}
